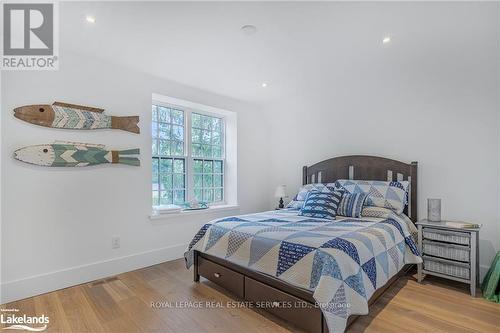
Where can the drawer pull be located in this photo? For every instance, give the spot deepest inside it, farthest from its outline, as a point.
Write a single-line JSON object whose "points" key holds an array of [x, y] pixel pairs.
{"points": [[276, 304], [217, 275]]}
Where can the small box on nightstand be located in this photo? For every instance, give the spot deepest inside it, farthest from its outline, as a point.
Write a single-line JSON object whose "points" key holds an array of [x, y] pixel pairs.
{"points": [[450, 250]]}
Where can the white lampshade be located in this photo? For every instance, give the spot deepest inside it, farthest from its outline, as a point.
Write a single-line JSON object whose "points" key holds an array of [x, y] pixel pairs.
{"points": [[280, 191]]}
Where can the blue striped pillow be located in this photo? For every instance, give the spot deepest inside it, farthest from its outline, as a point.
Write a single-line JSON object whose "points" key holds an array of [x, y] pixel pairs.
{"points": [[352, 204], [321, 204]]}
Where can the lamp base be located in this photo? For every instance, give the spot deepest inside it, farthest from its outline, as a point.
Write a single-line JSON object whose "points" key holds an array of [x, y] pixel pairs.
{"points": [[281, 204]]}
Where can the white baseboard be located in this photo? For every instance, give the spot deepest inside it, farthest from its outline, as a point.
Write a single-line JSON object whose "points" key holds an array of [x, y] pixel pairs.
{"points": [[43, 283]]}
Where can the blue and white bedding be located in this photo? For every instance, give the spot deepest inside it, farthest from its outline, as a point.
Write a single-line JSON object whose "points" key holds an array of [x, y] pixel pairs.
{"points": [[343, 261]]}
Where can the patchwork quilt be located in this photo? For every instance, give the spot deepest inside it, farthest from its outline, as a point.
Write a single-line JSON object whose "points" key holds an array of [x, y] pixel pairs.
{"points": [[343, 262]]}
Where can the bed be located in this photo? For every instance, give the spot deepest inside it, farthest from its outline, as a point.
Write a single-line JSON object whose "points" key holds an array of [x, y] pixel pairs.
{"points": [[317, 274]]}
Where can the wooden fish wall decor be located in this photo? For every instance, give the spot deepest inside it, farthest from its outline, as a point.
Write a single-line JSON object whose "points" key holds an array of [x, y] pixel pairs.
{"points": [[73, 154], [71, 116]]}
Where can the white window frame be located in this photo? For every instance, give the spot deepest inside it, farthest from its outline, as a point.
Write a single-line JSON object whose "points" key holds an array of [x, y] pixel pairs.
{"points": [[188, 158]]}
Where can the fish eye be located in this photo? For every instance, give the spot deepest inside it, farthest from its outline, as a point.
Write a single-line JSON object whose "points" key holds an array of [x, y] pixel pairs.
{"points": [[41, 109], [45, 150]]}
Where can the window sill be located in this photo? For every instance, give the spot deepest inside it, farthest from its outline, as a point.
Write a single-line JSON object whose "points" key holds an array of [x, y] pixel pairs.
{"points": [[213, 209]]}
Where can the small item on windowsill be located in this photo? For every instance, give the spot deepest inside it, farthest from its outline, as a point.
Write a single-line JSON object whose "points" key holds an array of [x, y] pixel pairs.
{"points": [[167, 209], [195, 205]]}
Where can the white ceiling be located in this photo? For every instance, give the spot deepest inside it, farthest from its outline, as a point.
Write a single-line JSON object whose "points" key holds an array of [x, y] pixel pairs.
{"points": [[298, 47]]}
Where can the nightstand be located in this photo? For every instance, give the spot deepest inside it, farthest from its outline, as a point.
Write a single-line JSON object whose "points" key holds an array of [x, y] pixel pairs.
{"points": [[449, 251]]}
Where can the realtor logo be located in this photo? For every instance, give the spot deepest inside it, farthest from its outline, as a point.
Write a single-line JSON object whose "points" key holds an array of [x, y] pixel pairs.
{"points": [[30, 36]]}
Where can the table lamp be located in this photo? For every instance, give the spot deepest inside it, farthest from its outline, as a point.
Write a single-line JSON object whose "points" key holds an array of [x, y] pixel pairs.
{"points": [[280, 193]]}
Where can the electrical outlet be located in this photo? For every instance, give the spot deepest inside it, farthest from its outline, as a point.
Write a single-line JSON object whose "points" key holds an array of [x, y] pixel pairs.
{"points": [[115, 242]]}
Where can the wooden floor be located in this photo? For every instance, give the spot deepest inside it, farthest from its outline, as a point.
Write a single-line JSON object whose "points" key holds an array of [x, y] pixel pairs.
{"points": [[124, 304]]}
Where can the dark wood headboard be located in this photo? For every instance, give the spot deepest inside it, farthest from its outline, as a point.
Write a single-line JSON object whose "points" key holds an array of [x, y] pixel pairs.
{"points": [[363, 167]]}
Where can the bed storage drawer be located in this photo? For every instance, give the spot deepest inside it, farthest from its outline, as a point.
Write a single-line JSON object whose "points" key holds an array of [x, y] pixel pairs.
{"points": [[226, 278], [448, 236], [302, 314], [447, 267], [446, 250]]}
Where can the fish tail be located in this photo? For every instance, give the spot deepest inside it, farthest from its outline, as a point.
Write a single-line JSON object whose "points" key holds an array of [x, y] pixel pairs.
{"points": [[128, 124], [125, 158], [135, 151]]}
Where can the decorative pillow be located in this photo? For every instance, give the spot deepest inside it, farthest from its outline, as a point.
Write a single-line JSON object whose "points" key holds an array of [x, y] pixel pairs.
{"points": [[321, 204], [351, 204], [392, 195], [295, 204], [389, 214], [305, 189], [371, 211]]}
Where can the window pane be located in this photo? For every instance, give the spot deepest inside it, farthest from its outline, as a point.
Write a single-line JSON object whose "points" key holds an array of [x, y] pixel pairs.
{"points": [[154, 147], [217, 124], [207, 166], [197, 150], [198, 194], [196, 135], [179, 197], [177, 133], [177, 117], [166, 182], [206, 122], [164, 147], [163, 114], [178, 181], [207, 181], [205, 137], [164, 131], [156, 197], [206, 151], [155, 167], [218, 194], [196, 120], [217, 152], [217, 180], [178, 166], [216, 138], [166, 198], [198, 181], [218, 166], [166, 165], [177, 148], [198, 166], [154, 129], [154, 111], [208, 195]]}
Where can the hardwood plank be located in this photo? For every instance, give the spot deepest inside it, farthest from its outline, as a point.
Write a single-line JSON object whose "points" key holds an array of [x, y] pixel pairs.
{"points": [[132, 302], [79, 313], [50, 305]]}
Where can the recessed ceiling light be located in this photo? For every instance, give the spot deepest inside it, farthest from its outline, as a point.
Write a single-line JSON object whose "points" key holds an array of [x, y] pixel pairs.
{"points": [[90, 19], [264, 85], [249, 29], [386, 40]]}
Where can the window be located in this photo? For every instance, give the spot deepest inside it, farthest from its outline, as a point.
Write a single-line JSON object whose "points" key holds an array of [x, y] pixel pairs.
{"points": [[169, 163], [188, 156], [207, 150]]}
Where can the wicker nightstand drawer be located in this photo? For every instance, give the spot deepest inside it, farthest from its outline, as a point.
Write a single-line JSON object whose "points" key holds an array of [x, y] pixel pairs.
{"points": [[447, 267], [446, 250], [448, 236]]}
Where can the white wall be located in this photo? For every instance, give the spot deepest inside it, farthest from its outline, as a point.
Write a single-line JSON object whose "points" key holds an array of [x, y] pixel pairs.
{"points": [[429, 100], [57, 224], [430, 96]]}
